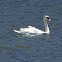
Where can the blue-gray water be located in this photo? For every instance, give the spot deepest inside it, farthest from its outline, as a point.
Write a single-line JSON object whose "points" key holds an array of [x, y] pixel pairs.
{"points": [[15, 14]]}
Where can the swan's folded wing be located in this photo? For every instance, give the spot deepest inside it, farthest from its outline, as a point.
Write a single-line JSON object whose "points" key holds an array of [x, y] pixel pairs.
{"points": [[30, 26]]}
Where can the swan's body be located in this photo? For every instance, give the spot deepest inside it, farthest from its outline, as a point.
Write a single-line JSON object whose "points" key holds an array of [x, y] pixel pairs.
{"points": [[33, 30]]}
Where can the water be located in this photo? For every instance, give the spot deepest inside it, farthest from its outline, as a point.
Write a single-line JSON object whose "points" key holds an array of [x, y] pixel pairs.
{"points": [[15, 14]]}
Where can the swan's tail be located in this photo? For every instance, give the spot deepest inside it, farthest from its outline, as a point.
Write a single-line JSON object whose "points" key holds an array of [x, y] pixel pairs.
{"points": [[16, 31]]}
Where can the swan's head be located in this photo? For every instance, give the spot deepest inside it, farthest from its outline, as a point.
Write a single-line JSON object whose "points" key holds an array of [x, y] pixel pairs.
{"points": [[47, 17]]}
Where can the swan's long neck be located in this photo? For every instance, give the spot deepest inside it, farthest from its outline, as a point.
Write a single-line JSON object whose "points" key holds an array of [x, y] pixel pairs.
{"points": [[47, 31]]}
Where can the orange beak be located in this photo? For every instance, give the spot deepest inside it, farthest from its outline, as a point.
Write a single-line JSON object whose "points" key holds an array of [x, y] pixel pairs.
{"points": [[48, 18]]}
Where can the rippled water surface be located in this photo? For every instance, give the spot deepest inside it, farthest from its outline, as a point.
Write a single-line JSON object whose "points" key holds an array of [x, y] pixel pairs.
{"points": [[15, 14]]}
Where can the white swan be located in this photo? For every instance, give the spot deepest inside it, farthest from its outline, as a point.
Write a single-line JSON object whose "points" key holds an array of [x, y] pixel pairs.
{"points": [[33, 30]]}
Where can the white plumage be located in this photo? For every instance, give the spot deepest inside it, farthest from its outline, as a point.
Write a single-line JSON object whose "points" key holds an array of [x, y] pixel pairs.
{"points": [[33, 30]]}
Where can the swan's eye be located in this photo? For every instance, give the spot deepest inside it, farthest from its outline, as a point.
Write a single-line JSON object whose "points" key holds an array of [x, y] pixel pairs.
{"points": [[48, 18]]}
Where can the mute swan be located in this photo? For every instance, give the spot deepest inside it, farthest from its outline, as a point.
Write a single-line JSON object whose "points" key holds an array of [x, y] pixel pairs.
{"points": [[33, 30]]}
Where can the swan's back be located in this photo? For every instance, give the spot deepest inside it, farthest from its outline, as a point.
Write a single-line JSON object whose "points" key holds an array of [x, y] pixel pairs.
{"points": [[31, 29]]}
